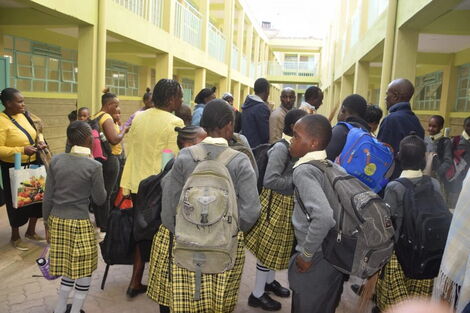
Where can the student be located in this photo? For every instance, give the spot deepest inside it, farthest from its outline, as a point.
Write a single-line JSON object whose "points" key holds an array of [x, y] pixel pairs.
{"points": [[272, 238], [218, 292], [147, 100], [276, 119], [238, 115], [72, 116], [373, 116], [440, 147], [393, 286], [71, 180], [316, 285], [117, 149], [184, 113], [353, 110], [83, 114], [202, 98], [313, 100]]}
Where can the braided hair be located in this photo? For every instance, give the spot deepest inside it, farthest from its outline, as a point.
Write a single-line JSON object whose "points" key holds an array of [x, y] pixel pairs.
{"points": [[107, 96], [8, 94], [78, 133], [186, 134], [164, 90]]}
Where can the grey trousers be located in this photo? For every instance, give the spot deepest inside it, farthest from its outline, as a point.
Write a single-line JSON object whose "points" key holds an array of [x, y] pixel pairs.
{"points": [[318, 290]]}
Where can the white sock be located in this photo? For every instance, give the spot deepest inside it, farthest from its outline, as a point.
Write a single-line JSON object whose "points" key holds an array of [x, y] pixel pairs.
{"points": [[262, 273], [271, 276], [66, 286], [81, 290]]}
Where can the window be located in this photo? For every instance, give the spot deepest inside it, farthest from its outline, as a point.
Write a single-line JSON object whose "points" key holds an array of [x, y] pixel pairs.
{"points": [[188, 87], [376, 7], [463, 89], [41, 67], [428, 92], [122, 78]]}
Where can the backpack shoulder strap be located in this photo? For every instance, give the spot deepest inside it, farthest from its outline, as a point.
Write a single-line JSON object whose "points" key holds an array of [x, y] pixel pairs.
{"points": [[348, 126], [406, 182], [227, 155]]}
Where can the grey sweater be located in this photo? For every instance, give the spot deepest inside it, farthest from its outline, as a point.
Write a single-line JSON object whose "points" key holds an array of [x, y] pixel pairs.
{"points": [[313, 188], [243, 177], [278, 176], [71, 180]]}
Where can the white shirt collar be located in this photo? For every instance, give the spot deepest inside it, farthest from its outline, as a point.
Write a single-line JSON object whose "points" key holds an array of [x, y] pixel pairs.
{"points": [[81, 150], [465, 135], [437, 136], [411, 174], [215, 141], [311, 156], [286, 138]]}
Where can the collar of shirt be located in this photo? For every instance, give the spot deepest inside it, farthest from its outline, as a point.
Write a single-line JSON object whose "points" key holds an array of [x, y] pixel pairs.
{"points": [[287, 138], [308, 105], [216, 141], [437, 136], [465, 135], [257, 98], [80, 150], [311, 156], [411, 174], [400, 106]]}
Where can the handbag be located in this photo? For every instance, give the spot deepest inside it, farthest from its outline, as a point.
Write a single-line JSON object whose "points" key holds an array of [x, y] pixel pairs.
{"points": [[27, 185]]}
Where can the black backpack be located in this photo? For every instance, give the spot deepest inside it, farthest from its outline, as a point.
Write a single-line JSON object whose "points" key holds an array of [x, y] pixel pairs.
{"points": [[423, 236], [260, 153], [148, 205]]}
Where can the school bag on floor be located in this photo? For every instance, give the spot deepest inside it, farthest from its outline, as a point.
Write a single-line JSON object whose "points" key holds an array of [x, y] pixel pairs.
{"points": [[361, 242], [261, 156], [426, 223], [207, 217], [366, 158]]}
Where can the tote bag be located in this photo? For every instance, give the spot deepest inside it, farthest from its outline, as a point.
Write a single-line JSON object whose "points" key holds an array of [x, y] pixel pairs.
{"points": [[27, 185]]}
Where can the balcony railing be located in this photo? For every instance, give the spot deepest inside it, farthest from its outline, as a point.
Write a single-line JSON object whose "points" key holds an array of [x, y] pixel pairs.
{"points": [[216, 43], [252, 70], [235, 55], [188, 23], [156, 12], [138, 7], [306, 69]]}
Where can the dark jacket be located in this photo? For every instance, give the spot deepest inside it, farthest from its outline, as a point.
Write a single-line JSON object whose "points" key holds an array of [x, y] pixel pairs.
{"points": [[340, 134], [400, 122], [255, 121]]}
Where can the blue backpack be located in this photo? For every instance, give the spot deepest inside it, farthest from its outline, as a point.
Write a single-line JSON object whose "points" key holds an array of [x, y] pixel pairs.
{"points": [[366, 158]]}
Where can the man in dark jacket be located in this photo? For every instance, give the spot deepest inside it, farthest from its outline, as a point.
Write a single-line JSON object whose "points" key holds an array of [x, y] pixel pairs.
{"points": [[353, 110], [401, 121], [255, 114]]}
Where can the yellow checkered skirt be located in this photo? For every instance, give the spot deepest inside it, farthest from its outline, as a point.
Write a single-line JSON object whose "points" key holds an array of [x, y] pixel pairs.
{"points": [[159, 286], [393, 286], [272, 237], [219, 292], [73, 252]]}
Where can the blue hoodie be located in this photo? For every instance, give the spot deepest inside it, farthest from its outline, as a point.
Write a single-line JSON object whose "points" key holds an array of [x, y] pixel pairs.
{"points": [[255, 121], [197, 114]]}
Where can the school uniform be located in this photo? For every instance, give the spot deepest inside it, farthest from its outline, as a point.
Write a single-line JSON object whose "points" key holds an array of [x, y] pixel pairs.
{"points": [[319, 289], [442, 146], [219, 292], [71, 180], [393, 286], [271, 239], [455, 186]]}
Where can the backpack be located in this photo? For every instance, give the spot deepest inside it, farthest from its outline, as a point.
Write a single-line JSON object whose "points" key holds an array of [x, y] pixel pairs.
{"points": [[426, 223], [148, 205], [100, 146], [459, 165], [361, 242], [366, 158], [260, 153], [207, 217]]}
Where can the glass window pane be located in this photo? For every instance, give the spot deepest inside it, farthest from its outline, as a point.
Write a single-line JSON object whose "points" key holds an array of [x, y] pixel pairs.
{"points": [[53, 87], [22, 45], [39, 85], [23, 84]]}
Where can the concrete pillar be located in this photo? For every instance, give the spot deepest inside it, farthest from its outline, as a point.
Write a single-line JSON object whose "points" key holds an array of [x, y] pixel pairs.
{"points": [[245, 93], [236, 94], [199, 79], [249, 48], [387, 61], [164, 66], [449, 90], [144, 79], [86, 83], [240, 38], [168, 19], [346, 87], [256, 54], [361, 79], [100, 56], [228, 34], [204, 10], [224, 85], [405, 53]]}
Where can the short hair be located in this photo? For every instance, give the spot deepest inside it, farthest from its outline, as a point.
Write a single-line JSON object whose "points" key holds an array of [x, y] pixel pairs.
{"points": [[147, 95], [412, 153], [261, 85], [373, 114], [317, 126], [439, 119], [355, 104], [8, 94], [107, 96], [291, 118], [204, 93], [72, 116], [227, 95], [165, 89], [185, 134], [312, 92], [83, 109], [184, 113], [465, 121], [78, 132], [216, 115]]}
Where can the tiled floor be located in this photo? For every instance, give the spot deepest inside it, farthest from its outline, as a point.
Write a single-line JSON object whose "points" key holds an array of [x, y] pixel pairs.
{"points": [[20, 292]]}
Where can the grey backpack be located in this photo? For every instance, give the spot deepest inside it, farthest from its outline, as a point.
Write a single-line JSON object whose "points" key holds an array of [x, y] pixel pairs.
{"points": [[361, 242], [207, 217]]}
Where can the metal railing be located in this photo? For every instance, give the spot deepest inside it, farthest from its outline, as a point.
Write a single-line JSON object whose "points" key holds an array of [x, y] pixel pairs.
{"points": [[307, 69], [156, 12], [151, 10], [188, 23], [136, 6], [235, 55], [216, 43]]}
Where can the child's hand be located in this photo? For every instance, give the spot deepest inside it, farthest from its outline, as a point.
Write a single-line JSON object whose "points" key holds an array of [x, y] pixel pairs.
{"points": [[302, 265]]}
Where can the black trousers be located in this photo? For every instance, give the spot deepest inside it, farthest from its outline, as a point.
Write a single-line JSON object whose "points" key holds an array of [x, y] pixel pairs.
{"points": [[110, 177], [17, 217]]}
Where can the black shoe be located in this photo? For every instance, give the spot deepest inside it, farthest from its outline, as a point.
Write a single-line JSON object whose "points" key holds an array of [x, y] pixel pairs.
{"points": [[357, 289], [69, 308], [277, 289], [131, 292], [265, 302]]}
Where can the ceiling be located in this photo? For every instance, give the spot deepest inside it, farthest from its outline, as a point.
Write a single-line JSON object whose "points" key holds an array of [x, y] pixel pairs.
{"points": [[439, 43]]}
